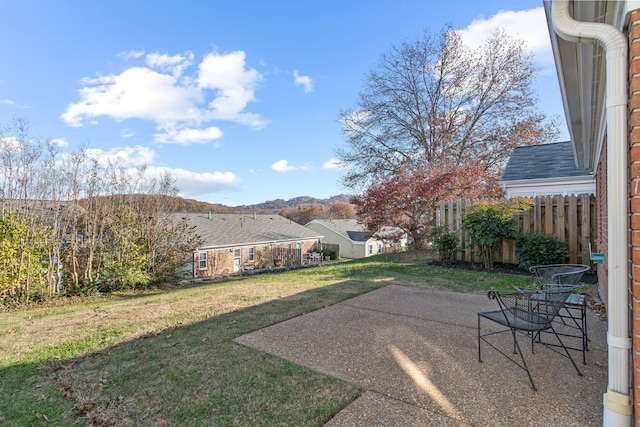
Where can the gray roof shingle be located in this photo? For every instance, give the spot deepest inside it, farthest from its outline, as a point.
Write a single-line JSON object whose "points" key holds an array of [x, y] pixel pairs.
{"points": [[224, 230], [553, 160]]}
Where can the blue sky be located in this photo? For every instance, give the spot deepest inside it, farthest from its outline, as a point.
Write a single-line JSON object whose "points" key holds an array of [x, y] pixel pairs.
{"points": [[239, 99]]}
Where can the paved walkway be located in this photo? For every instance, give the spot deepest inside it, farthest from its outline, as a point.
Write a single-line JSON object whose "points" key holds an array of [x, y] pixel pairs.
{"points": [[414, 354]]}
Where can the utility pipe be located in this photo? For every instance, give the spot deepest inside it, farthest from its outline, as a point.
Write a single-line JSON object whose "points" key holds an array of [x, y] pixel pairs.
{"points": [[618, 408]]}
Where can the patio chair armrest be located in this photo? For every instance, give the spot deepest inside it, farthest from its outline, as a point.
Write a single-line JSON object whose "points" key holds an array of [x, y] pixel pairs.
{"points": [[496, 294]]}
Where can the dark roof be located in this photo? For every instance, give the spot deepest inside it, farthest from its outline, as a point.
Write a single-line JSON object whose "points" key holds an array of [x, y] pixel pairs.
{"points": [[358, 236], [224, 230], [542, 161]]}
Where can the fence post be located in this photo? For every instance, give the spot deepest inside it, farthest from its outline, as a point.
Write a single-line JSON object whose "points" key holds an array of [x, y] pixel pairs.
{"points": [[560, 217], [537, 215], [572, 239]]}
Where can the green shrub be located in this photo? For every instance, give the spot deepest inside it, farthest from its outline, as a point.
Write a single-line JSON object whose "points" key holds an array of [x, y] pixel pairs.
{"points": [[539, 249], [83, 288], [491, 223], [445, 243]]}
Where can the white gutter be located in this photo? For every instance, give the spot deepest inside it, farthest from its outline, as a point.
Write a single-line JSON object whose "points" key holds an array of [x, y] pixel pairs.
{"points": [[583, 179], [618, 407], [550, 186]]}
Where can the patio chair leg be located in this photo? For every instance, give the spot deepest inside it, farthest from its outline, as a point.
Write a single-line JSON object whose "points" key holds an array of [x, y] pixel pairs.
{"points": [[585, 336], [566, 351], [524, 363], [479, 357]]}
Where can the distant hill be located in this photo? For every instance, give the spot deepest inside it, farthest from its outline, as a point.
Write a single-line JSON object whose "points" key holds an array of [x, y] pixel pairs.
{"points": [[196, 206], [178, 204], [279, 204]]}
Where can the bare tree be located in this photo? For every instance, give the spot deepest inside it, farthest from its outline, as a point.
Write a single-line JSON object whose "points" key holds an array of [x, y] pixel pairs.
{"points": [[436, 99], [24, 236], [73, 222]]}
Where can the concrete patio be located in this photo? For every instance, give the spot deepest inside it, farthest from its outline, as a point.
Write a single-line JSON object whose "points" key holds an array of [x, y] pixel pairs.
{"points": [[413, 353]]}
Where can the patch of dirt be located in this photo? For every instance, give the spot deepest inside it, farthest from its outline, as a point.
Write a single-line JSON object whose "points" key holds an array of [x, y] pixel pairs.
{"points": [[498, 267]]}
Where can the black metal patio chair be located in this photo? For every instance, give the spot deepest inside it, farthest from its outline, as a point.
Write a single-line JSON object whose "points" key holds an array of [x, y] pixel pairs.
{"points": [[528, 313], [560, 274], [574, 313]]}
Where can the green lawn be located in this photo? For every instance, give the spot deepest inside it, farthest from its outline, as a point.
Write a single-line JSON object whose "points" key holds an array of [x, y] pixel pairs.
{"points": [[144, 358]]}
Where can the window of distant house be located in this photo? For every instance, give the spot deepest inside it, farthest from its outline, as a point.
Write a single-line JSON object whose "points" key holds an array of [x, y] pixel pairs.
{"points": [[290, 246], [299, 245], [370, 249], [202, 260], [252, 254], [379, 248]]}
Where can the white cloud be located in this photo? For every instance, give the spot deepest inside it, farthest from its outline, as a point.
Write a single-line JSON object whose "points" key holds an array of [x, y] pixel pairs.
{"points": [[188, 136], [193, 184], [131, 54], [234, 87], [529, 25], [138, 92], [162, 92], [333, 163], [126, 133], [284, 166], [175, 64], [11, 102], [190, 184], [126, 156], [304, 81]]}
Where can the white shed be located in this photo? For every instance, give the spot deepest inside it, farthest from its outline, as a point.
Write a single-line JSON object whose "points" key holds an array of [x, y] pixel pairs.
{"points": [[353, 238]]}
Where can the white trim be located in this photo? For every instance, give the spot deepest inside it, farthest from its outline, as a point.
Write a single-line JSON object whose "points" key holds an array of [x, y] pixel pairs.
{"points": [[200, 260], [549, 186]]}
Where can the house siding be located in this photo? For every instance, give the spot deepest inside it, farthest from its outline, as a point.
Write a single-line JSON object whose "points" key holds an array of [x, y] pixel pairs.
{"points": [[220, 261], [348, 248], [634, 202]]}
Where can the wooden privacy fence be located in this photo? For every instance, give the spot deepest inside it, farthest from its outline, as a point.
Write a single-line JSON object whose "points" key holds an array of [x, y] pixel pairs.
{"points": [[570, 218]]}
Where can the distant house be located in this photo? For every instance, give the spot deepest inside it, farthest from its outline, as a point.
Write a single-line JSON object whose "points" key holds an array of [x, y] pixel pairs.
{"points": [[547, 169], [354, 239], [236, 242]]}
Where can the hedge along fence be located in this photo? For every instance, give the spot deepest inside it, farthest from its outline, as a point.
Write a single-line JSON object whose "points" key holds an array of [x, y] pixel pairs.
{"points": [[570, 218]]}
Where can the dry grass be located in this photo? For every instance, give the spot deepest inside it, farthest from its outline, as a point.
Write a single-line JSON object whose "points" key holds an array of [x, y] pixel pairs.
{"points": [[127, 315], [144, 358]]}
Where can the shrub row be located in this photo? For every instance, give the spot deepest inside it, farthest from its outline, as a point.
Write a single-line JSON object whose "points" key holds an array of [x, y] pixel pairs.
{"points": [[489, 224]]}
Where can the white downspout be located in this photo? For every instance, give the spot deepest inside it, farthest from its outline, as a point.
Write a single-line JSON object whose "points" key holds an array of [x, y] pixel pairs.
{"points": [[618, 407]]}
